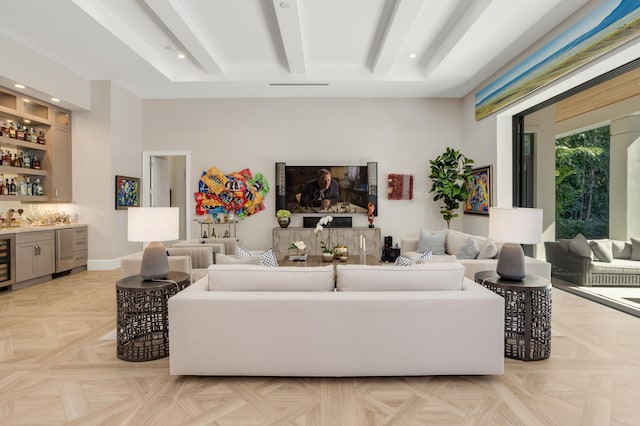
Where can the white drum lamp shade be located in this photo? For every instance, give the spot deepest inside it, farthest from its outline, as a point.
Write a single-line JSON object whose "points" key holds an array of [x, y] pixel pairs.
{"points": [[153, 224], [514, 226]]}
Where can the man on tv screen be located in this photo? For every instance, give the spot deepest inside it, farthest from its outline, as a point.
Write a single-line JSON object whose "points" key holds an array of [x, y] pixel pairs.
{"points": [[320, 192]]}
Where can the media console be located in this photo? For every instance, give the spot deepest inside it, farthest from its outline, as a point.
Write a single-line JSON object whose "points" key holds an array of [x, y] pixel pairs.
{"points": [[350, 237]]}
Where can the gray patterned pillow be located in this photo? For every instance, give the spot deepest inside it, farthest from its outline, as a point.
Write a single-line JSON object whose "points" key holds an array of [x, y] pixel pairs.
{"points": [[404, 261]]}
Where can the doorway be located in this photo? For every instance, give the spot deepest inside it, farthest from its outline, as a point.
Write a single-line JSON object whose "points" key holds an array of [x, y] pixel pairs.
{"points": [[165, 183]]}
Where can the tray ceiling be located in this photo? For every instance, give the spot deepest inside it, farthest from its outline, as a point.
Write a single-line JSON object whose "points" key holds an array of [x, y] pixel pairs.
{"points": [[283, 48]]}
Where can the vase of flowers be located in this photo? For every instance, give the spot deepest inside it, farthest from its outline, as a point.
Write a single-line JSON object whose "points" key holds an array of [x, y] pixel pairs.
{"points": [[284, 218], [297, 248], [327, 250]]}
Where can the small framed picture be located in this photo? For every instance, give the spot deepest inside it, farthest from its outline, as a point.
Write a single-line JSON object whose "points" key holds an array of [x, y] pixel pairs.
{"points": [[479, 199], [127, 192]]}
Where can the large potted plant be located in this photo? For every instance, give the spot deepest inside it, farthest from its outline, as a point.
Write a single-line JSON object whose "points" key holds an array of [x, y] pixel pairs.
{"points": [[450, 174]]}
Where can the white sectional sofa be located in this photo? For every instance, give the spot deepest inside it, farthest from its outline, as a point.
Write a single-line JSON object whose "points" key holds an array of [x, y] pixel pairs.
{"points": [[361, 320], [455, 242]]}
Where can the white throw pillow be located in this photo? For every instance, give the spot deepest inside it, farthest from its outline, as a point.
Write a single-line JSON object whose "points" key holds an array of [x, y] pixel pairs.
{"points": [[489, 250], [602, 249], [455, 241]]}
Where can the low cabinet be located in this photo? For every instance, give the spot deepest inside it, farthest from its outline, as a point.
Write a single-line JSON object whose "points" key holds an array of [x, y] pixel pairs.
{"points": [[35, 255]]}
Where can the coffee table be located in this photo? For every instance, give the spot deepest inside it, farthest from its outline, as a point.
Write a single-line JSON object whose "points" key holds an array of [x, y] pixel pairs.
{"points": [[316, 260]]}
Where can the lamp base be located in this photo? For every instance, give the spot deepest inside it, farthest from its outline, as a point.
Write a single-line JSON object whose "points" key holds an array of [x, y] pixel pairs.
{"points": [[511, 263], [155, 264]]}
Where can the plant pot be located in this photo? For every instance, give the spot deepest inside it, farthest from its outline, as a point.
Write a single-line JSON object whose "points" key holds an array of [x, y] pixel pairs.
{"points": [[327, 257], [284, 221]]}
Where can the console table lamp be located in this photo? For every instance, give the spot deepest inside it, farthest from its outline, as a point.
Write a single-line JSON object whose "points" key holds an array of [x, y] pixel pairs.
{"points": [[514, 226], [153, 224]]}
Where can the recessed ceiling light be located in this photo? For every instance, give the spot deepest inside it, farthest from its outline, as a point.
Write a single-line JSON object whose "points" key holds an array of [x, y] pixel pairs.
{"points": [[284, 5], [55, 99], [26, 120], [412, 56], [26, 100], [19, 86], [181, 55]]}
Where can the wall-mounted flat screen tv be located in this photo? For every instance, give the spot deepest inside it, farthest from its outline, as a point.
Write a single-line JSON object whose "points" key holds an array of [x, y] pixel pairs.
{"points": [[347, 193]]}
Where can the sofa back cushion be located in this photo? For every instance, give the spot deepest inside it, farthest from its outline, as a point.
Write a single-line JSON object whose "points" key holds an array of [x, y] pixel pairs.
{"points": [[225, 259], [456, 240], [418, 277], [239, 277], [201, 257]]}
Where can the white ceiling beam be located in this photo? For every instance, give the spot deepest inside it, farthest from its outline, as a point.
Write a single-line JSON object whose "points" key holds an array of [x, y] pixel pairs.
{"points": [[288, 17], [173, 15], [403, 17], [102, 12], [462, 18]]}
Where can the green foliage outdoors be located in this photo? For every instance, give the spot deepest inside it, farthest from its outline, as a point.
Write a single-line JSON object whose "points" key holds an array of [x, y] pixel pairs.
{"points": [[450, 173], [582, 184]]}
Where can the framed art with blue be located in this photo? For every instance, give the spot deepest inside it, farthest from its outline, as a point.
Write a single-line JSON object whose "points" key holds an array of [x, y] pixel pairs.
{"points": [[127, 192], [479, 199]]}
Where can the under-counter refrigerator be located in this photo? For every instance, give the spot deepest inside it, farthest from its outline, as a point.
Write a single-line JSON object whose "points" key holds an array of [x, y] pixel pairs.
{"points": [[64, 249]]}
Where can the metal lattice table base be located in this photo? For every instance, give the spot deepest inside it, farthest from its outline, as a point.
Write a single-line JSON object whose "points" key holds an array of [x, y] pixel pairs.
{"points": [[143, 325], [527, 315]]}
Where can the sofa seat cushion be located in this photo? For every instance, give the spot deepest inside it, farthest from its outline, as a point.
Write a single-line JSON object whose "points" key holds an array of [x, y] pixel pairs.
{"points": [[617, 266], [418, 277], [238, 277]]}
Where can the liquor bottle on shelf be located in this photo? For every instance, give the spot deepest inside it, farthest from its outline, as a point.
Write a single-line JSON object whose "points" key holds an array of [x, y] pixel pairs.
{"points": [[20, 132], [35, 163], [34, 135], [4, 130], [29, 187], [12, 188], [27, 161], [27, 134], [39, 189], [12, 130], [41, 137], [19, 160], [5, 187]]}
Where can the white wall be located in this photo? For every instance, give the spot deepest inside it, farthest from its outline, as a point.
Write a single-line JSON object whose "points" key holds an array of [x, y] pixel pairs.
{"points": [[402, 135], [542, 123], [106, 142]]}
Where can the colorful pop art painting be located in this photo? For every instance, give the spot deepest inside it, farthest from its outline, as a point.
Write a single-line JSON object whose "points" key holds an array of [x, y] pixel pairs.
{"points": [[238, 193], [479, 199]]}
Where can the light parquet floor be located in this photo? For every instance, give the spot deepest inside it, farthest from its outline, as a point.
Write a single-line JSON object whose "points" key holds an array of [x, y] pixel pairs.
{"points": [[55, 370]]}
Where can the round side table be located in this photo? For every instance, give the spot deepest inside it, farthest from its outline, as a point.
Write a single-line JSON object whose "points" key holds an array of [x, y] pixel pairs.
{"points": [[527, 314], [143, 321]]}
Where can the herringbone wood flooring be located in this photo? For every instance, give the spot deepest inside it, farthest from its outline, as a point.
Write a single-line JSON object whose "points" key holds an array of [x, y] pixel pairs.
{"points": [[55, 370]]}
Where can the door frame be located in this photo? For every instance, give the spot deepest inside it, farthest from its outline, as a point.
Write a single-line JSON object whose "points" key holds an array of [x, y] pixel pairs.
{"points": [[146, 180]]}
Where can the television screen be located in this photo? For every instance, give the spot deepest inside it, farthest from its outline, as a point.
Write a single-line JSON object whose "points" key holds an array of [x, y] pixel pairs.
{"points": [[345, 192]]}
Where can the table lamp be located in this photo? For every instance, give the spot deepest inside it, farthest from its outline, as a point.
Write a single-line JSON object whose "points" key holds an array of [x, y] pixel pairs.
{"points": [[153, 224], [514, 226]]}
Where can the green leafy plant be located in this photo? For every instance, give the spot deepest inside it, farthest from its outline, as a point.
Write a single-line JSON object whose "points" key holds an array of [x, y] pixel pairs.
{"points": [[450, 174]]}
